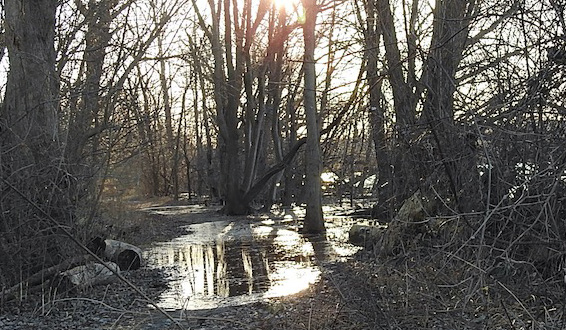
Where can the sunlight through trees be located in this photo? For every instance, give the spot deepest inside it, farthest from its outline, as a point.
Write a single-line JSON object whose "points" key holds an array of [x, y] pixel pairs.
{"points": [[245, 103]]}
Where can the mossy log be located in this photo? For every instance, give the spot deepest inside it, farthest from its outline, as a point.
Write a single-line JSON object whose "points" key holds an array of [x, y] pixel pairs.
{"points": [[366, 236], [409, 225]]}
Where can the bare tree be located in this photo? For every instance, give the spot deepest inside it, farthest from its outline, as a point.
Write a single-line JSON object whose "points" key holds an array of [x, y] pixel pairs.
{"points": [[235, 71], [314, 221], [372, 34], [453, 149], [32, 171], [422, 101]]}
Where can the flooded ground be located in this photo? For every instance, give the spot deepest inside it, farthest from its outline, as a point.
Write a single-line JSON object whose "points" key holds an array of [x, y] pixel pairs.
{"points": [[226, 261]]}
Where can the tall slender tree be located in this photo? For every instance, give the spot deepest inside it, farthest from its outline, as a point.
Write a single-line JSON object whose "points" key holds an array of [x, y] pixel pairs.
{"points": [[314, 221]]}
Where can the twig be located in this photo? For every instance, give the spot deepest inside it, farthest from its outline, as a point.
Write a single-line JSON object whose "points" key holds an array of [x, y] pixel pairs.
{"points": [[94, 301], [310, 317], [517, 300], [507, 314]]}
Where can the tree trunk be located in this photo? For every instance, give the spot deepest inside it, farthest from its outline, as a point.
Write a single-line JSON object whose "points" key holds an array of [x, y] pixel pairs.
{"points": [[275, 66], [170, 153], [291, 182], [372, 36], [207, 156], [230, 147], [30, 152], [31, 106], [454, 152], [229, 67], [403, 165], [83, 123], [314, 221], [403, 96]]}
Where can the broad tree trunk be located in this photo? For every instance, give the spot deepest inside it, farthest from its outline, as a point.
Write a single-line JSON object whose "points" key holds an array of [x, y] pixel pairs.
{"points": [[230, 140], [30, 152], [454, 152], [31, 106], [401, 156], [314, 221]]}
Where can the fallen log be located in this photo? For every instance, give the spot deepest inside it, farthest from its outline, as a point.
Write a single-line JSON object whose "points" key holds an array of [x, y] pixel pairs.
{"points": [[90, 275], [127, 256], [41, 276], [365, 213]]}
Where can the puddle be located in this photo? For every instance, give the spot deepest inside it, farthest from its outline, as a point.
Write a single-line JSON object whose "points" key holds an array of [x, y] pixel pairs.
{"points": [[231, 261]]}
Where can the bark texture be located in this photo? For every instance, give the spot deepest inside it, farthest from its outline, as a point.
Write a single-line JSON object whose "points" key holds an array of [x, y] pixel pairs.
{"points": [[454, 144], [314, 222], [30, 153]]}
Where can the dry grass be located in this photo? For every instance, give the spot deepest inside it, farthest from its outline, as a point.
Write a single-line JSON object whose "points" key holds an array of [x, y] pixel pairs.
{"points": [[416, 292], [124, 220]]}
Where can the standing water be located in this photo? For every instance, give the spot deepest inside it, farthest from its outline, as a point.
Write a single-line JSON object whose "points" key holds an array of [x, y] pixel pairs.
{"points": [[231, 261]]}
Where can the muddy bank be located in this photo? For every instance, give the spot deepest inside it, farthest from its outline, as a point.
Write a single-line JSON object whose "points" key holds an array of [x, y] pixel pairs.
{"points": [[114, 306]]}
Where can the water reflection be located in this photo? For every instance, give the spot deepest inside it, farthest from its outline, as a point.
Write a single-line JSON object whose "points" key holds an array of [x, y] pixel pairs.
{"points": [[225, 263]]}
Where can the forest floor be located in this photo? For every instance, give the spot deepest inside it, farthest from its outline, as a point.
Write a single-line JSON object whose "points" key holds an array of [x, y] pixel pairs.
{"points": [[364, 292]]}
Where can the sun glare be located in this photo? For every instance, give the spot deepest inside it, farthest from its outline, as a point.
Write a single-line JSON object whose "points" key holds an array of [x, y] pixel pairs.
{"points": [[288, 5]]}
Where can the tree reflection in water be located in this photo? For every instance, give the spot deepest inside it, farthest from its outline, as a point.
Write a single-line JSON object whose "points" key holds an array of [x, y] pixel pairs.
{"points": [[225, 263]]}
